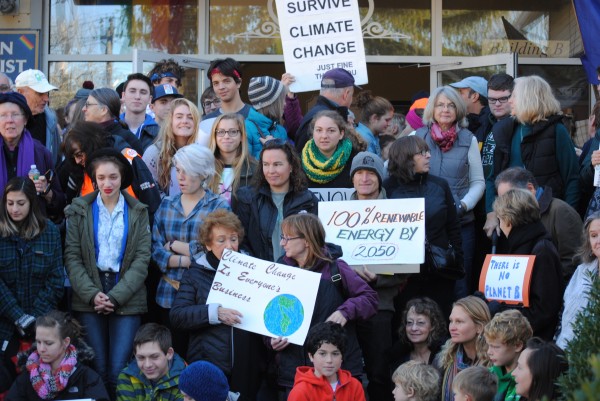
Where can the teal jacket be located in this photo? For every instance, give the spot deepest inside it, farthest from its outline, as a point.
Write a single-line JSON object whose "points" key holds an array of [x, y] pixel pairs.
{"points": [[129, 295], [259, 126], [132, 385]]}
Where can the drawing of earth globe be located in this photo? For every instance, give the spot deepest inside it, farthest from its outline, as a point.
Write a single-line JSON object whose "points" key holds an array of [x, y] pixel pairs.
{"points": [[284, 315]]}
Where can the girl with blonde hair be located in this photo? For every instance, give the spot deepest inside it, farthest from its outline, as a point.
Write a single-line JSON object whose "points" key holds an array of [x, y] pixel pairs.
{"points": [[466, 346], [180, 129], [234, 165]]}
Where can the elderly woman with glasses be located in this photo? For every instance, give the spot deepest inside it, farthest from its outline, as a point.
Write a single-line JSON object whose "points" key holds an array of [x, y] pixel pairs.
{"points": [[409, 167], [234, 165], [21, 151], [455, 156], [279, 189], [103, 106]]}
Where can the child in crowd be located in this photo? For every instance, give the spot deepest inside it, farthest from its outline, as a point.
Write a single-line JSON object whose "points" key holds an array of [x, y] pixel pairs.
{"points": [[475, 384], [325, 381], [416, 381], [156, 368], [506, 335], [203, 381]]}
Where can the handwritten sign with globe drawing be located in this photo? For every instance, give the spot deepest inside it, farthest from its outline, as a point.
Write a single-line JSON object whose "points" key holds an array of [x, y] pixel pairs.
{"points": [[274, 299]]}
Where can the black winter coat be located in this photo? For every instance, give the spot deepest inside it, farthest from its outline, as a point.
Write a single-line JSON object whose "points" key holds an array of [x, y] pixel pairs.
{"points": [[83, 383], [241, 355], [547, 286], [258, 214]]}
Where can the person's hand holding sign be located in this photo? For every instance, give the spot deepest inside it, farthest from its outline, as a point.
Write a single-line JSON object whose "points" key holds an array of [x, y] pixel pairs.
{"points": [[279, 343], [228, 316]]}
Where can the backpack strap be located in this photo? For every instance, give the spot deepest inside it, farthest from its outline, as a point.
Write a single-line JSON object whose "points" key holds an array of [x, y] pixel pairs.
{"points": [[336, 279]]}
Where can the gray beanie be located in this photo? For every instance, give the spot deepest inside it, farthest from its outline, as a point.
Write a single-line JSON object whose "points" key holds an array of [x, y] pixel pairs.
{"points": [[368, 161], [264, 91]]}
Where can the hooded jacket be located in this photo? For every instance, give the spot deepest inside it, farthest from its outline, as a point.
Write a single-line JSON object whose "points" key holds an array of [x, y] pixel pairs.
{"points": [[132, 385], [308, 387], [263, 126], [83, 383], [129, 295]]}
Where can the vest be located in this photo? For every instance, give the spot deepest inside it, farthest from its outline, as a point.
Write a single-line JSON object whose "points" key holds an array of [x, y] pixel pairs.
{"points": [[452, 165]]}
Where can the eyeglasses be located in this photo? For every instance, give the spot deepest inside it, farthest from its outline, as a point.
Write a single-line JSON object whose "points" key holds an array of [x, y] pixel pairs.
{"points": [[233, 133], [500, 100], [208, 103], [4, 88], [88, 104], [285, 239], [11, 116], [423, 153], [449, 106]]}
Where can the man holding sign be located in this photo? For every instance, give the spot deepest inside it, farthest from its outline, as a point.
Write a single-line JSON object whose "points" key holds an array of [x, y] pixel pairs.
{"points": [[540, 298], [375, 334]]}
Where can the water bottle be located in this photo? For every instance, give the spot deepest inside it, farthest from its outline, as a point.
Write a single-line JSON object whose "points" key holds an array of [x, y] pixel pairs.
{"points": [[34, 174]]}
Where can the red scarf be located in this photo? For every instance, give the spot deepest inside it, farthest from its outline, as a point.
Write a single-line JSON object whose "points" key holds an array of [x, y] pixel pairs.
{"points": [[445, 140]]}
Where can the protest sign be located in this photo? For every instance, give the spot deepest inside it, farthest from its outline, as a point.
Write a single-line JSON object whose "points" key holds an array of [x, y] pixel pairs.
{"points": [[18, 52], [319, 35], [506, 278], [386, 235], [275, 300], [332, 194]]}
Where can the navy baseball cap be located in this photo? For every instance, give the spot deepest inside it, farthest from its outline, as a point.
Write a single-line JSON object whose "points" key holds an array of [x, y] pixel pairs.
{"points": [[341, 78], [165, 90]]}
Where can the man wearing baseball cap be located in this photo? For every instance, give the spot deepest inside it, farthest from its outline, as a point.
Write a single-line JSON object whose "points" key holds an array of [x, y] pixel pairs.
{"points": [[164, 94], [375, 334], [473, 90], [43, 126], [337, 89]]}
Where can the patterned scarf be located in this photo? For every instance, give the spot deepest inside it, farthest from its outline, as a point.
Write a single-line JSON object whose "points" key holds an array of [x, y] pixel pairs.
{"points": [[46, 384], [446, 139], [451, 372], [320, 169]]}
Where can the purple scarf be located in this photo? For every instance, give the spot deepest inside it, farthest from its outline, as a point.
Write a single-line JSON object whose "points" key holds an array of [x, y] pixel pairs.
{"points": [[25, 158]]}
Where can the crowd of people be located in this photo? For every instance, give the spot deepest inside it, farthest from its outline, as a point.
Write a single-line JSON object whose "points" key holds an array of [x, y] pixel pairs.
{"points": [[113, 225]]}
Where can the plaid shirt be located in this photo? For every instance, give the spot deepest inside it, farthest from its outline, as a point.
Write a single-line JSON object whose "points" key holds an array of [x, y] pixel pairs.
{"points": [[170, 224], [31, 278]]}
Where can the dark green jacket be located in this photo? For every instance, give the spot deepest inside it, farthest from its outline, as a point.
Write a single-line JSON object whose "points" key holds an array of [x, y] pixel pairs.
{"points": [[129, 295]]}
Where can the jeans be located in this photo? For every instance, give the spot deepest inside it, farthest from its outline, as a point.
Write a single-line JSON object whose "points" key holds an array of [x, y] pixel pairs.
{"points": [[111, 337]]}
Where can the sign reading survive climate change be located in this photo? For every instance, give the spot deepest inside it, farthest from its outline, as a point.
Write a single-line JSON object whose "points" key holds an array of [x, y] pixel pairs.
{"points": [[387, 235], [506, 278], [275, 300], [319, 35]]}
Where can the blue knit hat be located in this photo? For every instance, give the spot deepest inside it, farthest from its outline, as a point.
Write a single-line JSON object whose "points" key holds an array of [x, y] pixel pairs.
{"points": [[18, 99], [203, 381]]}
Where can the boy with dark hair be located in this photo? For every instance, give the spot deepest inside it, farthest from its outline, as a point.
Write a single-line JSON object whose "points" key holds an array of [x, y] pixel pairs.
{"points": [[137, 95], [475, 383], [506, 335], [166, 72], [325, 343], [154, 374]]}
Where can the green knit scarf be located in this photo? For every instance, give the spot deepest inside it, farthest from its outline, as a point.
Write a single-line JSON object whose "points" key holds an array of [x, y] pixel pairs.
{"points": [[320, 169]]}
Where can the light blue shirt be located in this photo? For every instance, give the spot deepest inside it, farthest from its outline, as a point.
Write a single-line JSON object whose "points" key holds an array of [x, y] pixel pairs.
{"points": [[111, 228], [372, 140]]}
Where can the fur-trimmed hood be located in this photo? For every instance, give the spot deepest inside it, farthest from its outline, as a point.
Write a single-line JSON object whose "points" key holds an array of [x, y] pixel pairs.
{"points": [[85, 353]]}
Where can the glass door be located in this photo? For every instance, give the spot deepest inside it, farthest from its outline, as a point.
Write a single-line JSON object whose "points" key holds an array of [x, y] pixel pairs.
{"points": [[455, 69]]}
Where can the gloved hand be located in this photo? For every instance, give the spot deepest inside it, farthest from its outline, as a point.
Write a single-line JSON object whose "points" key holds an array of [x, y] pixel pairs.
{"points": [[25, 324]]}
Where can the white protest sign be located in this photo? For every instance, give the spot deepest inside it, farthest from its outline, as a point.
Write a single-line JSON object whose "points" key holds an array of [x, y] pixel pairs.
{"points": [[319, 35], [332, 194], [274, 299], [387, 235], [506, 278]]}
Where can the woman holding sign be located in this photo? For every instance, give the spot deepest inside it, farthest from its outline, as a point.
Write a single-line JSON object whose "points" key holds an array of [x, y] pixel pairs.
{"points": [[213, 337], [327, 157], [410, 178], [519, 215], [340, 301]]}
